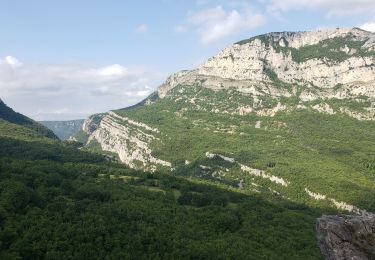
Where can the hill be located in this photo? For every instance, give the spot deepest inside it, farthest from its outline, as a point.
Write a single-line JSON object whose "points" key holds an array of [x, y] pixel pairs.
{"points": [[288, 113], [9, 119], [64, 129], [59, 202]]}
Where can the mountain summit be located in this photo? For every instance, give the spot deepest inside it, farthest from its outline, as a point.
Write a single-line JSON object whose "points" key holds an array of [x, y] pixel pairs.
{"points": [[322, 59], [287, 114]]}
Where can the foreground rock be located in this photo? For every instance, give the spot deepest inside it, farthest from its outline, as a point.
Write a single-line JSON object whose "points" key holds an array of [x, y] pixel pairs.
{"points": [[347, 237]]}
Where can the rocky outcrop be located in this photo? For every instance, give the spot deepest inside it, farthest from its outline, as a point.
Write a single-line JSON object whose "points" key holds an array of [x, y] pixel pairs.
{"points": [[308, 66], [92, 123], [129, 139], [340, 205], [250, 170], [260, 56], [346, 237], [265, 75], [274, 56]]}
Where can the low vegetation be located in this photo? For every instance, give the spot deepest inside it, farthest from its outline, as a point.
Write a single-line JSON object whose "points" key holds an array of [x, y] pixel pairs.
{"points": [[61, 203]]}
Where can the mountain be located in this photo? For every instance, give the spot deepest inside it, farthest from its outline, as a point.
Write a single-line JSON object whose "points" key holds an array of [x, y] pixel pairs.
{"points": [[64, 129], [10, 119], [287, 115], [226, 165], [60, 202]]}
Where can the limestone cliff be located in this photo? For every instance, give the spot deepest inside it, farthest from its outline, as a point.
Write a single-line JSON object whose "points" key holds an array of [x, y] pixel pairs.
{"points": [[129, 139], [329, 64], [330, 71], [322, 59]]}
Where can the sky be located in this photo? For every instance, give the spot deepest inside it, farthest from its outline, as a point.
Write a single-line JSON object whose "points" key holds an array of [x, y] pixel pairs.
{"points": [[68, 59]]}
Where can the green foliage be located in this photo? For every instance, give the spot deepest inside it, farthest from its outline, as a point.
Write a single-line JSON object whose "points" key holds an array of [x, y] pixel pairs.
{"points": [[264, 38], [329, 49], [332, 49], [64, 209], [324, 153], [8, 115], [353, 105], [59, 202], [81, 136]]}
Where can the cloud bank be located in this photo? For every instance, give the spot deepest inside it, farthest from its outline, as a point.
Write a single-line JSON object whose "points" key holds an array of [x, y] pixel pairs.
{"points": [[370, 26], [214, 24], [67, 91]]}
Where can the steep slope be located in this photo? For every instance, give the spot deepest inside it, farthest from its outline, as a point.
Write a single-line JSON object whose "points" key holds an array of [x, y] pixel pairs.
{"points": [[287, 115], [303, 67], [64, 129], [60, 202], [10, 119]]}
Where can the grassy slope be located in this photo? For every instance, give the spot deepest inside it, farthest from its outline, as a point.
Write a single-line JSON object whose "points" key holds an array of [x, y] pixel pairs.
{"points": [[59, 202], [329, 154], [10, 116]]}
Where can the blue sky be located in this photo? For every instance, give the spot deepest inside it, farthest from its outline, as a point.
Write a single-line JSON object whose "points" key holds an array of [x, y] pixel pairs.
{"points": [[67, 59]]}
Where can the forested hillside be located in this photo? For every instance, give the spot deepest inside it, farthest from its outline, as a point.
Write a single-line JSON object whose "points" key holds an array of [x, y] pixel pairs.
{"points": [[9, 115], [58, 202], [285, 113]]}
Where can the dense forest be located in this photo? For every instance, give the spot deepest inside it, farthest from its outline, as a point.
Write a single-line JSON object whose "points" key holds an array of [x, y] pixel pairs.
{"points": [[58, 202]]}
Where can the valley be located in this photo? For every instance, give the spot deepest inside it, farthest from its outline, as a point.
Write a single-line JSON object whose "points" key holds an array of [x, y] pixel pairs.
{"points": [[251, 155], [299, 137]]}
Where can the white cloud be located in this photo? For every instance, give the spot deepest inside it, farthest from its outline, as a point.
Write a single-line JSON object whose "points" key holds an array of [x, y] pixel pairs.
{"points": [[330, 7], [113, 70], [12, 61], [216, 23], [143, 28], [370, 26], [65, 91]]}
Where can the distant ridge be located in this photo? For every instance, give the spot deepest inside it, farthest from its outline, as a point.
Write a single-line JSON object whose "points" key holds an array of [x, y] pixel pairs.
{"points": [[9, 115]]}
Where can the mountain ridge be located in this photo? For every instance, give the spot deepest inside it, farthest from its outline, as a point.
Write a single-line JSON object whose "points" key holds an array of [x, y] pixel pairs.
{"points": [[263, 58], [275, 131], [218, 161], [10, 116], [64, 129]]}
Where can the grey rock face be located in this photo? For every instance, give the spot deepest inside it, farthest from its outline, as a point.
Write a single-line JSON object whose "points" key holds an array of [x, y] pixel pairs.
{"points": [[266, 57], [347, 237], [92, 123]]}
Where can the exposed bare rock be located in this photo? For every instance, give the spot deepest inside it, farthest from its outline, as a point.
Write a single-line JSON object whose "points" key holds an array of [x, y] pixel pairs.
{"points": [[300, 39], [252, 59], [338, 204], [128, 138], [324, 108], [250, 170], [346, 237], [247, 66], [92, 123], [262, 76], [263, 65]]}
